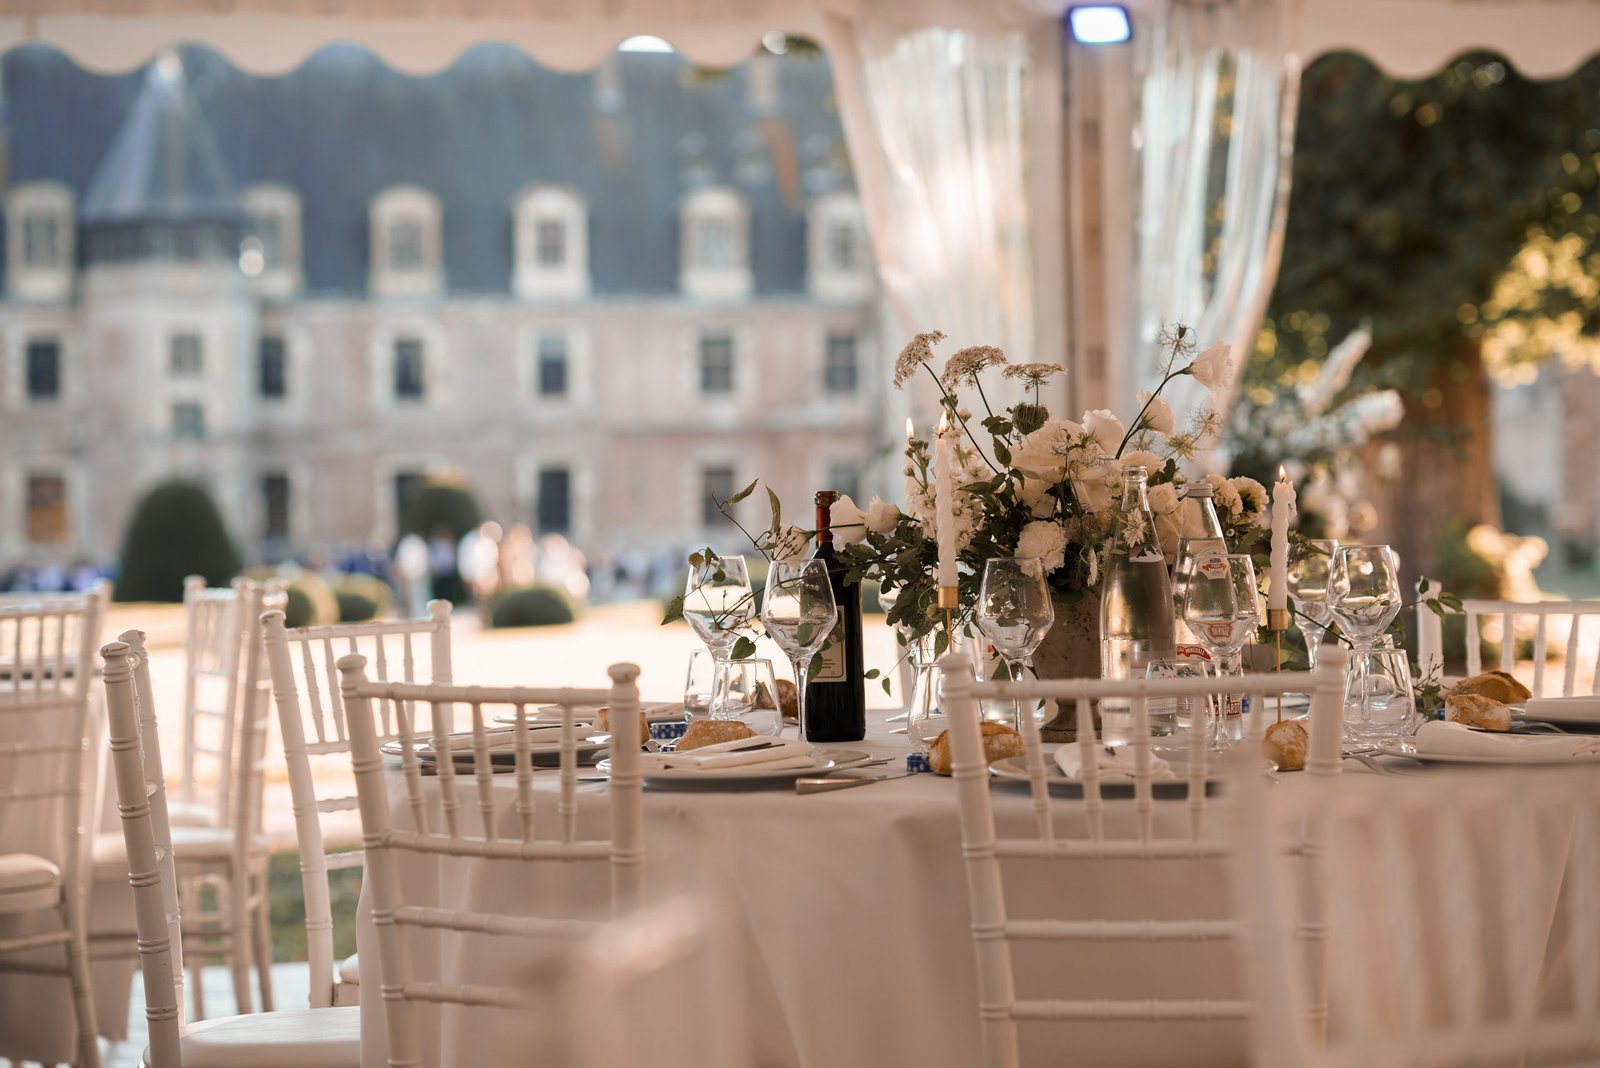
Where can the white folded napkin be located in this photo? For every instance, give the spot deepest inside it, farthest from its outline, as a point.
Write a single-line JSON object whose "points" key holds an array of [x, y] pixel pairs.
{"points": [[1439, 737], [743, 754], [541, 735], [1564, 707], [1115, 763]]}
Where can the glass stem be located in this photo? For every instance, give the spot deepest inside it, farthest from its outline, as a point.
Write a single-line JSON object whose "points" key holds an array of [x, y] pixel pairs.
{"points": [[799, 696]]}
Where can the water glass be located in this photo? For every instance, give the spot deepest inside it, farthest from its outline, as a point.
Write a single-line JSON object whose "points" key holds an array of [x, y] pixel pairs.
{"points": [[1308, 589], [699, 684], [1364, 591], [1378, 703], [746, 690]]}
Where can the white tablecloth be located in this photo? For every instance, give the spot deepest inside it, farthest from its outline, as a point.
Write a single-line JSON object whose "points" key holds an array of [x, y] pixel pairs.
{"points": [[851, 909]]}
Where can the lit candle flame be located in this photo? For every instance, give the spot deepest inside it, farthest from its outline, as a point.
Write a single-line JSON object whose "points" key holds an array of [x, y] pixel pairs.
{"points": [[944, 422], [911, 430], [1283, 474]]}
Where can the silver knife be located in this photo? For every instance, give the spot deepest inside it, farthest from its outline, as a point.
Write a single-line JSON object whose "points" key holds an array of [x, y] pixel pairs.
{"points": [[843, 779]]}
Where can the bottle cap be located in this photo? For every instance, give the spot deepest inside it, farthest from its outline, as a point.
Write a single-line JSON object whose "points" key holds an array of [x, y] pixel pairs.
{"points": [[825, 498], [1199, 488]]}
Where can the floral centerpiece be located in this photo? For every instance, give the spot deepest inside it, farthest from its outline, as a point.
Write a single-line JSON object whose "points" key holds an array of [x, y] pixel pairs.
{"points": [[1029, 483]]}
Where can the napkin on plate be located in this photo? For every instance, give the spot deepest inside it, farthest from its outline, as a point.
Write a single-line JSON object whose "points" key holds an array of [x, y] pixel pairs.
{"points": [[743, 754], [1114, 763], [1439, 737], [1564, 707], [506, 737]]}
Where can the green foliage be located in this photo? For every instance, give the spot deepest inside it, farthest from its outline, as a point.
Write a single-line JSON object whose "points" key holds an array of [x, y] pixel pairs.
{"points": [[530, 606], [355, 607], [1411, 201], [287, 909], [442, 506], [361, 597], [298, 611], [175, 531]]}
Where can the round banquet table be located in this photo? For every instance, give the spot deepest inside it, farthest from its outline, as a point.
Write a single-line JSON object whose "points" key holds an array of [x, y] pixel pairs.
{"points": [[849, 911]]}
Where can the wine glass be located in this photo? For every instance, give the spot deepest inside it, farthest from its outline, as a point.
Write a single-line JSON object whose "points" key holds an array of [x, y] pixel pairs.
{"points": [[718, 602], [799, 612], [1364, 593], [1014, 611], [1220, 617], [1308, 588]]}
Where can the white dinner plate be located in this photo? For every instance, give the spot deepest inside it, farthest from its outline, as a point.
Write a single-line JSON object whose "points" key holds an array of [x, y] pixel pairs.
{"points": [[1509, 760], [541, 754], [1587, 724], [1015, 769], [823, 761]]}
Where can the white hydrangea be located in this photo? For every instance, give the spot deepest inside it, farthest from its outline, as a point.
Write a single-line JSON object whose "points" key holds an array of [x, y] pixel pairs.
{"points": [[1252, 498]]}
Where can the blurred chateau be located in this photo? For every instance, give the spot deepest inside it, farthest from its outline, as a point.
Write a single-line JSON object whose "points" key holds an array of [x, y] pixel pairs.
{"points": [[598, 297]]}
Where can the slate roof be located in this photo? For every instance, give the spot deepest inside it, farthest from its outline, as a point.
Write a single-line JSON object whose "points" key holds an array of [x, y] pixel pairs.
{"points": [[344, 126]]}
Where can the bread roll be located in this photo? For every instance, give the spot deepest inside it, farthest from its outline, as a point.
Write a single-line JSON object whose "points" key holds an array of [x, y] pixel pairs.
{"points": [[1286, 743], [711, 731], [999, 742], [1495, 685], [789, 699], [1476, 710], [602, 722]]}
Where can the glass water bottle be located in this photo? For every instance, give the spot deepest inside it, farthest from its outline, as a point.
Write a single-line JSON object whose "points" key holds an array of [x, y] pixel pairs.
{"points": [[1136, 617], [1200, 543]]}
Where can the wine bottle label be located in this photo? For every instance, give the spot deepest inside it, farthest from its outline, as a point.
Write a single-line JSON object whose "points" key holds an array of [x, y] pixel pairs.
{"points": [[1212, 563], [831, 668]]}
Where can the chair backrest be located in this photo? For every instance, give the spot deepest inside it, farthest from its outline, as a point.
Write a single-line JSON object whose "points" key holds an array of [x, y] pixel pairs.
{"points": [[254, 716], [462, 834], [213, 631], [391, 649], [46, 720], [1462, 927], [993, 931], [142, 804], [1571, 626]]}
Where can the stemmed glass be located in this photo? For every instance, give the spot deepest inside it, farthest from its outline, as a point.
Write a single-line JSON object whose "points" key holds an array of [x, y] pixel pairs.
{"points": [[799, 612], [1364, 593], [1223, 612], [718, 602], [1308, 588], [1014, 611]]}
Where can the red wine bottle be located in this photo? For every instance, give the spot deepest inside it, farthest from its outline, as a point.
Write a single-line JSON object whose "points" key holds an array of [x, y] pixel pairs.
{"points": [[836, 696]]}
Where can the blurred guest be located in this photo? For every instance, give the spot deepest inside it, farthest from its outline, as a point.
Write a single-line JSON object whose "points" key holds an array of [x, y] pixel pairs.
{"points": [[412, 567]]}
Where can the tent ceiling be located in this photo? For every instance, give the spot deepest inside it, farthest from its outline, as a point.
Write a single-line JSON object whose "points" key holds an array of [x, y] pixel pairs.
{"points": [[1542, 38]]}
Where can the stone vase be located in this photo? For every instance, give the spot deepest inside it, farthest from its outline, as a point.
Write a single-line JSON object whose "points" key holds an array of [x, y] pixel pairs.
{"points": [[1071, 650]]}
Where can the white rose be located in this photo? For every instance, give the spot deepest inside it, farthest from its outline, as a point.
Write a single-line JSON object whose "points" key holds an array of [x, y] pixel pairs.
{"points": [[1158, 415], [1163, 499], [1093, 490], [1047, 541], [1035, 495], [1212, 368], [789, 543], [848, 523], [881, 516], [1252, 498], [1103, 425]]}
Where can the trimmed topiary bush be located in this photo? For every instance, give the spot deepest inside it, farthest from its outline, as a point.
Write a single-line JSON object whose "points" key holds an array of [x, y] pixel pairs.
{"points": [[530, 606], [361, 597], [441, 506], [175, 531]]}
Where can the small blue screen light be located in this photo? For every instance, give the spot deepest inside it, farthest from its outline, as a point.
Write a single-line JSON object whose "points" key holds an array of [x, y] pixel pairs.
{"points": [[1100, 24]]}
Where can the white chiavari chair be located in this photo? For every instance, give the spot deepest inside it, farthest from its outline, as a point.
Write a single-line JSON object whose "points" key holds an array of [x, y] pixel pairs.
{"points": [[214, 620], [230, 854], [993, 931], [1462, 925], [46, 721], [467, 827], [321, 1038], [1573, 627], [304, 661]]}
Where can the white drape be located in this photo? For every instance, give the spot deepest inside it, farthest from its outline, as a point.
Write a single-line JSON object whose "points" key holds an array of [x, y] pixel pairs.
{"points": [[935, 122], [1214, 179]]}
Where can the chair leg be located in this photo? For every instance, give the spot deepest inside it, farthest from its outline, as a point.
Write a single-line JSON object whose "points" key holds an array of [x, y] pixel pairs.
{"points": [[263, 945], [72, 916], [195, 975], [189, 891], [237, 910]]}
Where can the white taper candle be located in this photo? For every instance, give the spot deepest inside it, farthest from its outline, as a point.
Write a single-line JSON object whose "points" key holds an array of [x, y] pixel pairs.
{"points": [[944, 510], [1283, 506]]}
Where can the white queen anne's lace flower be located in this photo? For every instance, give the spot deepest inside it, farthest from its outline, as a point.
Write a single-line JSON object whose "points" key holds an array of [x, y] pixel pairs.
{"points": [[1045, 540], [789, 543]]}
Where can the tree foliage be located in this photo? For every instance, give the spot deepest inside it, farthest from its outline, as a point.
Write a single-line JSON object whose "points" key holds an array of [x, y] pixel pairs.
{"points": [[175, 531]]}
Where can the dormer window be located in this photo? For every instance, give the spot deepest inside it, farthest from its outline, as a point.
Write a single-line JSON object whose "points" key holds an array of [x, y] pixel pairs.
{"points": [[551, 236], [270, 257], [715, 253], [838, 260], [407, 244], [39, 250]]}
